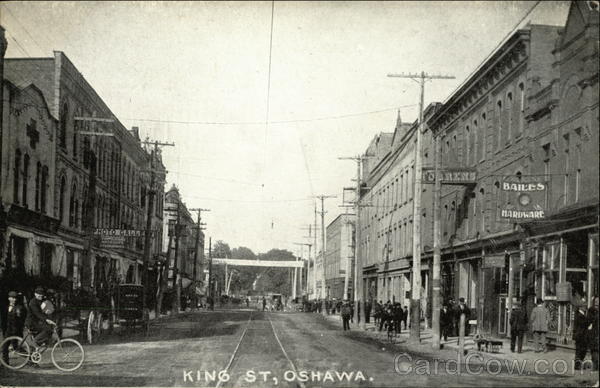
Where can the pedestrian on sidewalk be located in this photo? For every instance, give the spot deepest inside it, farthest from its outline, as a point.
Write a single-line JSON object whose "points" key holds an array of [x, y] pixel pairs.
{"points": [[445, 322], [539, 325], [593, 332], [518, 327], [463, 309], [346, 314], [405, 316], [398, 317], [264, 303], [581, 325], [368, 307], [15, 320]]}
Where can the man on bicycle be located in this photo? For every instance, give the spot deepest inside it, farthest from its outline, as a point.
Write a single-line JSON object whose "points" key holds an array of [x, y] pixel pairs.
{"points": [[37, 320]]}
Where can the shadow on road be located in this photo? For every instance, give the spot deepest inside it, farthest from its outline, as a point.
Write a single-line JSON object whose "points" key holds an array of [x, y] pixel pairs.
{"points": [[183, 326], [27, 378]]}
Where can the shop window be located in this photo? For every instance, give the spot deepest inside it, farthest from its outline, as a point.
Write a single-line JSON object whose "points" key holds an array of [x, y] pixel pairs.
{"points": [[551, 270], [70, 265]]}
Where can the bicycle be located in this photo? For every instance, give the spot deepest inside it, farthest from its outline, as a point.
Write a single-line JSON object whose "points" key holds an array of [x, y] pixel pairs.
{"points": [[67, 354]]}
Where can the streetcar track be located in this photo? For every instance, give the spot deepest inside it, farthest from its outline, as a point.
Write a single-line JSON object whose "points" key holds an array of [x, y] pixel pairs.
{"points": [[284, 352], [236, 349], [233, 357]]}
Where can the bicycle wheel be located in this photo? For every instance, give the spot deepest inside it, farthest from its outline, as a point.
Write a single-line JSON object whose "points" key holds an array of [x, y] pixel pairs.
{"points": [[67, 355], [14, 352]]}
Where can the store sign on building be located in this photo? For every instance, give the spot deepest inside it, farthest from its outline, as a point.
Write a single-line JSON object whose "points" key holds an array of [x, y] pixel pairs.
{"points": [[494, 261], [451, 176], [525, 199]]}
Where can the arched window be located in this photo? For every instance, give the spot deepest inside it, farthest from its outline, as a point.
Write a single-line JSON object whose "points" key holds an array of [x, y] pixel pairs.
{"points": [[73, 206], [61, 198], [497, 205], [25, 179], [509, 115], [75, 133], [521, 109], [62, 129], [467, 146], [16, 174], [86, 152], [498, 122]]}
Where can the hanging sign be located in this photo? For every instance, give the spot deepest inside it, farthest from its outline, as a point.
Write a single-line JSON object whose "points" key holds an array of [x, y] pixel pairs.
{"points": [[451, 176], [525, 198]]}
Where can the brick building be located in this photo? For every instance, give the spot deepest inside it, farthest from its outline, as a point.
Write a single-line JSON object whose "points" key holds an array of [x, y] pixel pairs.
{"points": [[339, 257], [387, 215], [175, 210], [72, 182], [526, 118]]}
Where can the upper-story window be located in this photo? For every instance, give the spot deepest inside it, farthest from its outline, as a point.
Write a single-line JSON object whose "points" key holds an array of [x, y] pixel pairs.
{"points": [[73, 206], [61, 198], [521, 106], [16, 177], [467, 146], [76, 126], [62, 129], [38, 177], [25, 179], [44, 189], [509, 115], [498, 124], [484, 129]]}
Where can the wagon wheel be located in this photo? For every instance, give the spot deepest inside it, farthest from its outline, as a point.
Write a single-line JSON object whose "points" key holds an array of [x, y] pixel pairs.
{"points": [[94, 327]]}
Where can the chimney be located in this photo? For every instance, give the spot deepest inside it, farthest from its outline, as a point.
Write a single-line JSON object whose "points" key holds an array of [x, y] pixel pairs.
{"points": [[135, 131]]}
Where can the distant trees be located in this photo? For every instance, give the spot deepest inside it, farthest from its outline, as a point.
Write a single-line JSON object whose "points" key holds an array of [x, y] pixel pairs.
{"points": [[255, 280]]}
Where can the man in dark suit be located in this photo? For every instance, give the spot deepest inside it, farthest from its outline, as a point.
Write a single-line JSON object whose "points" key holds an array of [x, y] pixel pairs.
{"points": [[37, 321], [445, 322], [463, 309], [518, 327]]}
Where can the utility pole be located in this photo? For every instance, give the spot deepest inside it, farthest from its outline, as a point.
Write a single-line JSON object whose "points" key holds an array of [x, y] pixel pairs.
{"points": [[209, 289], [315, 257], [415, 301], [348, 268], [176, 277], [148, 231], [358, 265], [88, 222], [199, 230], [322, 197]]}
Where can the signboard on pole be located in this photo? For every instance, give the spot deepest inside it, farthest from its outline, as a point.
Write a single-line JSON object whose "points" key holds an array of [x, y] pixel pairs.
{"points": [[525, 198], [451, 176]]}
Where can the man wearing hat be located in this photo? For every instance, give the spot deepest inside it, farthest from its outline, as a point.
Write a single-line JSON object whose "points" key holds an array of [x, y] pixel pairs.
{"points": [[15, 319], [37, 320]]}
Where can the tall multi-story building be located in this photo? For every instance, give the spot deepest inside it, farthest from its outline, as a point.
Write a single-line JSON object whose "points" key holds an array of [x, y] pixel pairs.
{"points": [[527, 121], [176, 212], [387, 215], [70, 168], [561, 251], [339, 258]]}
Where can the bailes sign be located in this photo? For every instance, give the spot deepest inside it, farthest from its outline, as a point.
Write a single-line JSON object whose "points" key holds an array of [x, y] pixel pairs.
{"points": [[529, 196]]}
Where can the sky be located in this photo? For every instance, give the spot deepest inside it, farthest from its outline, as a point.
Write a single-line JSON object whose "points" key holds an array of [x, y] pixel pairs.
{"points": [[197, 74]]}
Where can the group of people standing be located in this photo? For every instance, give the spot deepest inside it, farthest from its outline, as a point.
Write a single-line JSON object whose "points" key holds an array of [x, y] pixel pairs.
{"points": [[450, 318], [390, 315]]}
